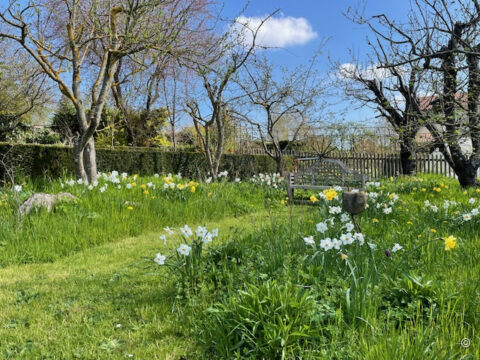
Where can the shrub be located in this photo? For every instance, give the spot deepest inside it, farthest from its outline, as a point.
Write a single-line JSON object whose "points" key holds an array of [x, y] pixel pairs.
{"points": [[268, 321], [55, 160]]}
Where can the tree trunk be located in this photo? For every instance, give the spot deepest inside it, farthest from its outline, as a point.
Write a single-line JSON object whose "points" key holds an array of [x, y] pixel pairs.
{"points": [[90, 161], [407, 159], [78, 161], [467, 175], [280, 164]]}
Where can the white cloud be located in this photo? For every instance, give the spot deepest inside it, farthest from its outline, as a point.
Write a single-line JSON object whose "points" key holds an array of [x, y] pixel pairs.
{"points": [[278, 31]]}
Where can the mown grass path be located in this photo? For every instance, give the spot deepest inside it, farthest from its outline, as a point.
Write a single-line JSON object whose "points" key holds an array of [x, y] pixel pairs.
{"points": [[101, 303]]}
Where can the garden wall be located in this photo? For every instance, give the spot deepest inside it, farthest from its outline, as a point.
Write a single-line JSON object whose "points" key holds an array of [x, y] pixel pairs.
{"points": [[54, 160]]}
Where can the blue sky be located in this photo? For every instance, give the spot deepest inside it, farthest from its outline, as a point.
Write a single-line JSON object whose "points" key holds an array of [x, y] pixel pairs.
{"points": [[326, 19]]}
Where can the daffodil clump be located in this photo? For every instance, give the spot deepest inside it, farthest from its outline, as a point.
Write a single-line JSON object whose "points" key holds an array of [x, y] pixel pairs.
{"points": [[186, 261]]}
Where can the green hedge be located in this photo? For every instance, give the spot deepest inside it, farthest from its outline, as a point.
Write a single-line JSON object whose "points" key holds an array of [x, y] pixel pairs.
{"points": [[32, 160]]}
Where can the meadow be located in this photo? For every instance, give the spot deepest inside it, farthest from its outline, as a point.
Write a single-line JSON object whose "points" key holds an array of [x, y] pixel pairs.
{"points": [[163, 267]]}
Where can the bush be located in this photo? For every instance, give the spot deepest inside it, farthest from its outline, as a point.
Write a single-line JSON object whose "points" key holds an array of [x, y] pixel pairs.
{"points": [[269, 321], [55, 160]]}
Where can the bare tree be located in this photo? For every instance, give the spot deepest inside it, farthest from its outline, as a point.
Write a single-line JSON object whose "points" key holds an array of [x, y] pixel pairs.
{"points": [[61, 35], [444, 37], [287, 101], [224, 59], [23, 90], [395, 93]]}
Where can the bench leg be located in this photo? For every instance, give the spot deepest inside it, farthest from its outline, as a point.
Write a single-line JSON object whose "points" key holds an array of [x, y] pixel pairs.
{"points": [[290, 195]]}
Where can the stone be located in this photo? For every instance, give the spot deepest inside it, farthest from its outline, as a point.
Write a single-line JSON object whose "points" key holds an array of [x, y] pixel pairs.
{"points": [[42, 200], [354, 202]]}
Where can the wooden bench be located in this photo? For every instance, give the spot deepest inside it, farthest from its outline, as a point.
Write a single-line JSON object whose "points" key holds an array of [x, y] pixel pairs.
{"points": [[320, 173]]}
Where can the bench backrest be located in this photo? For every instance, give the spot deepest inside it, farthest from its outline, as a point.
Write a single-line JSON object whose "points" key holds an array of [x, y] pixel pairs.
{"points": [[327, 172]]}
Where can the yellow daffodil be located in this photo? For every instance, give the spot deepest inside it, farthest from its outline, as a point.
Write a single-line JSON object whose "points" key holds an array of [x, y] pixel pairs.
{"points": [[143, 186], [433, 231], [130, 208], [465, 192], [192, 189], [423, 189], [146, 192], [313, 198], [391, 178], [450, 242], [409, 223], [375, 220], [330, 194], [133, 184], [344, 256]]}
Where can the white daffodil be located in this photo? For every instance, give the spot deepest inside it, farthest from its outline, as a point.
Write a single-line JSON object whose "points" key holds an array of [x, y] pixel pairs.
{"points": [[387, 210], [214, 233], [434, 208], [160, 259], [207, 238], [184, 249], [326, 244], [349, 226], [103, 188], [467, 217], [90, 187], [156, 175], [347, 238], [128, 186], [164, 239], [474, 212], [201, 231], [208, 180], [344, 217], [336, 244], [396, 247], [359, 237], [322, 227], [334, 209], [168, 230], [309, 240], [186, 231], [471, 201]]}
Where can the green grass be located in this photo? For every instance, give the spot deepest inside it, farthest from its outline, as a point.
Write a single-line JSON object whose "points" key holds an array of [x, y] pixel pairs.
{"points": [[97, 218], [70, 308], [261, 291]]}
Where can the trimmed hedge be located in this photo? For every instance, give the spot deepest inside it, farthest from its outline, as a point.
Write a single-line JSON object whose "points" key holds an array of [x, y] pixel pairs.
{"points": [[32, 160]]}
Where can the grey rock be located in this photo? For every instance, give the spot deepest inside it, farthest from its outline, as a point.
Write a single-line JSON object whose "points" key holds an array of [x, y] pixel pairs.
{"points": [[42, 200]]}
